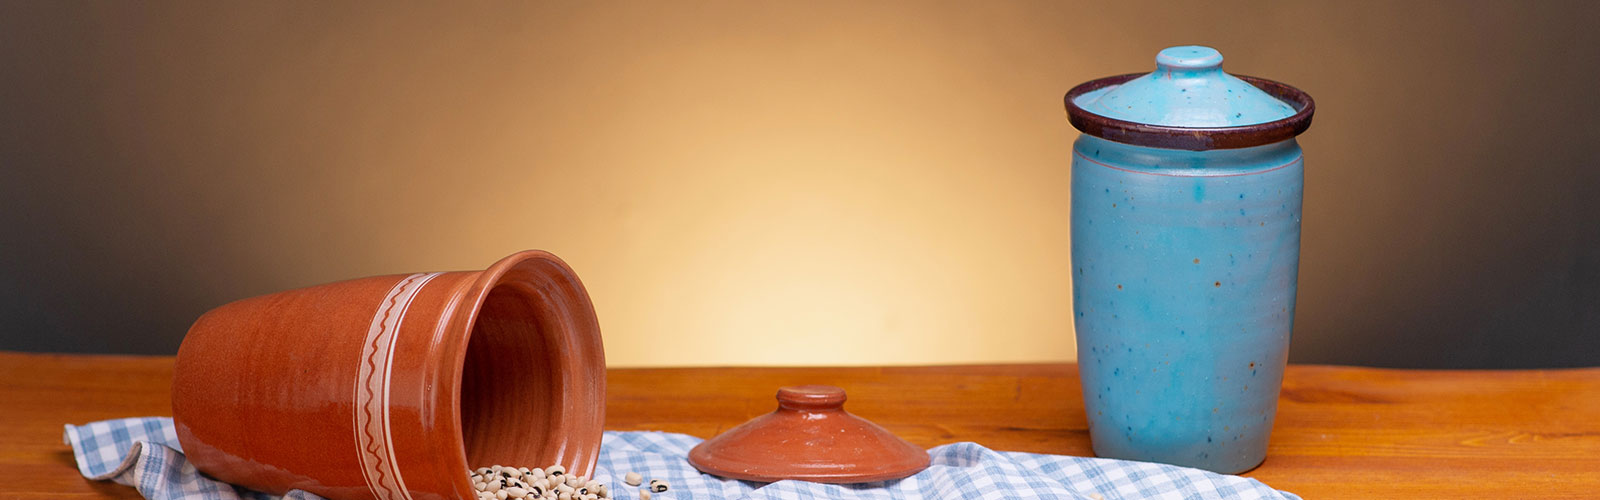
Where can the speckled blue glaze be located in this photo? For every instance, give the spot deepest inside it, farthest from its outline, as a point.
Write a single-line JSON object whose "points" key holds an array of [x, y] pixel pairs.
{"points": [[1184, 272], [1188, 89]]}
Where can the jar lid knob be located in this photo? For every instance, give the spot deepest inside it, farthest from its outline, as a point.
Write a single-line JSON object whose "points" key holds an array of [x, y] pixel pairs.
{"points": [[1189, 58], [811, 397]]}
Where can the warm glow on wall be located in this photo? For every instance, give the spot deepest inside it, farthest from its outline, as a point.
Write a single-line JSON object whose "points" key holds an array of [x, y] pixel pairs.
{"points": [[773, 182], [815, 189]]}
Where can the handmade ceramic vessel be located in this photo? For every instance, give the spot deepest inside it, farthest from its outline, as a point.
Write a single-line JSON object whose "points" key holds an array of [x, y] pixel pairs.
{"points": [[809, 438], [391, 387], [1186, 189]]}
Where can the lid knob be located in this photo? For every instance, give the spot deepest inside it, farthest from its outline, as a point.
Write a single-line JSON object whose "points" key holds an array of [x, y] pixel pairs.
{"points": [[811, 397], [1188, 58]]}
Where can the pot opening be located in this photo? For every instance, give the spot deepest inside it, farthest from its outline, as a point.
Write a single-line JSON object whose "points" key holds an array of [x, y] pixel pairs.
{"points": [[511, 388]]}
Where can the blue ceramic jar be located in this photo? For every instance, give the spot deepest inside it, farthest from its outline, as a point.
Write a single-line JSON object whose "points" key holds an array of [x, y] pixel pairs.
{"points": [[1186, 189]]}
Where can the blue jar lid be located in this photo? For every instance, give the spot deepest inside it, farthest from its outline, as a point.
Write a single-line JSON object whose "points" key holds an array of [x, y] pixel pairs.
{"points": [[1189, 103]]}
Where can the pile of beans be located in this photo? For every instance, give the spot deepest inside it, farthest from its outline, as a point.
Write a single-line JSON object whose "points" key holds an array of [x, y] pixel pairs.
{"points": [[550, 483]]}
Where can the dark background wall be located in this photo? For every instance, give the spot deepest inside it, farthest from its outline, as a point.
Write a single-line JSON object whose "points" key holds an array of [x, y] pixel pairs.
{"points": [[885, 180]]}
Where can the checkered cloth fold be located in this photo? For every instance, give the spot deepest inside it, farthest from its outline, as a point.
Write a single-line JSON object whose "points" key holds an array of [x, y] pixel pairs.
{"points": [[144, 453]]}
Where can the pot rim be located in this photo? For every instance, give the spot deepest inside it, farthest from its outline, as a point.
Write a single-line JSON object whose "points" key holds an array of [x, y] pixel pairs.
{"points": [[587, 383]]}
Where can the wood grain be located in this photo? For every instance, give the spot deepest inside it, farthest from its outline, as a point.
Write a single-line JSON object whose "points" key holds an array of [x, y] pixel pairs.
{"points": [[1341, 432]]}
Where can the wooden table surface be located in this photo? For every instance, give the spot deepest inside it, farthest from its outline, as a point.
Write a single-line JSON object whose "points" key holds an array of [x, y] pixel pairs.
{"points": [[1341, 432]]}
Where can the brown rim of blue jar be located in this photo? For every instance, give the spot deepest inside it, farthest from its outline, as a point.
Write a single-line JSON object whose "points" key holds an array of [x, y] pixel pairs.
{"points": [[1192, 138]]}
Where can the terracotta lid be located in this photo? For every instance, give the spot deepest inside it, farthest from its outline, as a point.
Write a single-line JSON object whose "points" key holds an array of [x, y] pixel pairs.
{"points": [[1189, 103], [810, 438]]}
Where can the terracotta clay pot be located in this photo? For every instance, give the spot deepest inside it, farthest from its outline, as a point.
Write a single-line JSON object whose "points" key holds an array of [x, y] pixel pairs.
{"points": [[391, 387]]}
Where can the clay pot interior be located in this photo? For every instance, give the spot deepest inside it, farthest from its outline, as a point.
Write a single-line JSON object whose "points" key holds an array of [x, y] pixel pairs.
{"points": [[513, 377]]}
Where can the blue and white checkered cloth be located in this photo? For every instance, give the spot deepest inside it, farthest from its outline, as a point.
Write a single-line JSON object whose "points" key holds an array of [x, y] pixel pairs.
{"points": [[144, 453]]}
